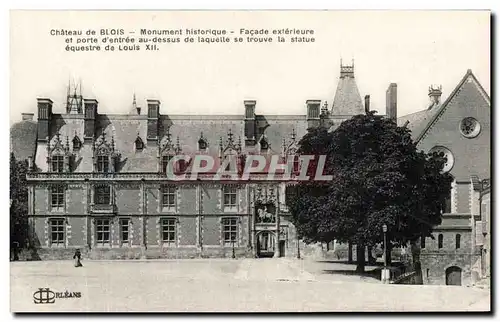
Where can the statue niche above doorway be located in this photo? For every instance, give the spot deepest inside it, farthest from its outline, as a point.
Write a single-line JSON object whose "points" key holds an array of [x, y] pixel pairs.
{"points": [[265, 213]]}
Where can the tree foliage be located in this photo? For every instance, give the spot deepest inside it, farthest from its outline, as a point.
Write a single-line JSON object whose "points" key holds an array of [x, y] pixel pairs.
{"points": [[18, 201], [379, 177]]}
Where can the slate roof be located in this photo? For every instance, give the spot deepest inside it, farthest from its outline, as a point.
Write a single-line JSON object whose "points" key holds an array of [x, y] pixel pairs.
{"points": [[347, 100], [421, 121]]}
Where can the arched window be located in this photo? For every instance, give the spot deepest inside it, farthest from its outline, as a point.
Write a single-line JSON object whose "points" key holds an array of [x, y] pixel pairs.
{"points": [[139, 144], [440, 241], [264, 145], [77, 143], [422, 242], [457, 241], [202, 143], [447, 203]]}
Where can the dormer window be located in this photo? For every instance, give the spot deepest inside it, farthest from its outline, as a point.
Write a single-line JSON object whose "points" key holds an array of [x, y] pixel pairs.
{"points": [[57, 163], [264, 145], [139, 145], [103, 163], [77, 144], [164, 162], [202, 143], [166, 151], [58, 155], [105, 156]]}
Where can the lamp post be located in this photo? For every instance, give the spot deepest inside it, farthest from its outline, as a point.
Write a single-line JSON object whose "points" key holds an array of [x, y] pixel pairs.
{"points": [[298, 247], [233, 256], [385, 274]]}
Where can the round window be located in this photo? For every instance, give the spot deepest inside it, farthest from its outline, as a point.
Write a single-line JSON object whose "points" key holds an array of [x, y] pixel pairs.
{"points": [[446, 154], [470, 127]]}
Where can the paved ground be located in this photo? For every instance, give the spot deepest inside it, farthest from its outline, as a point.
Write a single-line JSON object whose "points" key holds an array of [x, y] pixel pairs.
{"points": [[226, 285]]}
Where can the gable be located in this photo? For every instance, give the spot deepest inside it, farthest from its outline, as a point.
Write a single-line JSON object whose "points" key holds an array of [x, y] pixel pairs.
{"points": [[445, 129]]}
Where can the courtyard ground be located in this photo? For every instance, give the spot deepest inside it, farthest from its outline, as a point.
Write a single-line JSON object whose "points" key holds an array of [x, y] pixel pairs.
{"points": [[227, 285]]}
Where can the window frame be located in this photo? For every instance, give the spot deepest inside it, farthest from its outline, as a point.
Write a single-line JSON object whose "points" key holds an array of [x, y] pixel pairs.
{"points": [[230, 194], [168, 226], [103, 164], [57, 163], [458, 241], [168, 191], [98, 195], [230, 227], [100, 223], [121, 224], [60, 196], [440, 241], [60, 232]]}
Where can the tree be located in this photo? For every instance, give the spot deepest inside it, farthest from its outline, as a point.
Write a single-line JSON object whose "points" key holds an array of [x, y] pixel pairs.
{"points": [[18, 202], [379, 178]]}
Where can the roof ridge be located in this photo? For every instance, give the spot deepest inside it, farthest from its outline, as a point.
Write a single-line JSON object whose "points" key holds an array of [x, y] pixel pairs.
{"points": [[443, 106]]}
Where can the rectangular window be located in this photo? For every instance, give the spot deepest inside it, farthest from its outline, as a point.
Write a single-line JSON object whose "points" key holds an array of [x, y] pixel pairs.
{"points": [[57, 197], [102, 231], [102, 195], [124, 230], [57, 163], [168, 230], [422, 242], [440, 241], [230, 192], [164, 163], [103, 163], [169, 194], [230, 230], [57, 232]]}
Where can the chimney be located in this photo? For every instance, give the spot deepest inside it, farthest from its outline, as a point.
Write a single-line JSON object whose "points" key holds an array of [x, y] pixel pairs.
{"points": [[367, 104], [391, 101], [435, 95], [153, 119], [30, 163], [313, 113], [44, 117], [27, 116], [249, 122], [90, 116]]}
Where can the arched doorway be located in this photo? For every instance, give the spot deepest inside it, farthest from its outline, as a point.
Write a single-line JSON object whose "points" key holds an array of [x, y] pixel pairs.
{"points": [[454, 276], [266, 244]]}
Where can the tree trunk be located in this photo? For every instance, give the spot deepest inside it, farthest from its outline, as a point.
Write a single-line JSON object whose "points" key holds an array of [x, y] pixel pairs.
{"points": [[360, 258], [371, 259], [349, 253]]}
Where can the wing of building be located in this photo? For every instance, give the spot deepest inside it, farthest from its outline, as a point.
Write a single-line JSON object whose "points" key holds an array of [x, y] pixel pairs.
{"points": [[98, 183], [460, 127]]}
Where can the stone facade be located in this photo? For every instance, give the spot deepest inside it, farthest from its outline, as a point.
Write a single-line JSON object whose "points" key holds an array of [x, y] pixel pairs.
{"points": [[114, 200], [460, 127]]}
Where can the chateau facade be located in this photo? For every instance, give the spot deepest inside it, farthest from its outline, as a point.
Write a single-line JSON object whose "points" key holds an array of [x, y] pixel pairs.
{"points": [[97, 182]]}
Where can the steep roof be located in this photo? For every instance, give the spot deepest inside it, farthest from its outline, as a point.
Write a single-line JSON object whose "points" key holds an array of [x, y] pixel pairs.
{"points": [[23, 139], [420, 122], [469, 76], [417, 121], [347, 100]]}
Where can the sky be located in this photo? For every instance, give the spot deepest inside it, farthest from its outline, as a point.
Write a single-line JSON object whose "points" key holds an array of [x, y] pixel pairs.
{"points": [[411, 48]]}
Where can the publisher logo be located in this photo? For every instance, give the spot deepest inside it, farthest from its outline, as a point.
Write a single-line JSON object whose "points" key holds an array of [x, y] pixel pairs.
{"points": [[46, 296]]}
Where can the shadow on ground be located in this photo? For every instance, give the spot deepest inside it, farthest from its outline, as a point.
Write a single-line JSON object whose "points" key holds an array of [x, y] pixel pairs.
{"points": [[375, 273]]}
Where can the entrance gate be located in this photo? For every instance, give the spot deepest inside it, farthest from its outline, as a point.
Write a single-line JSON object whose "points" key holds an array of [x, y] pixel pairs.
{"points": [[266, 244], [454, 276]]}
